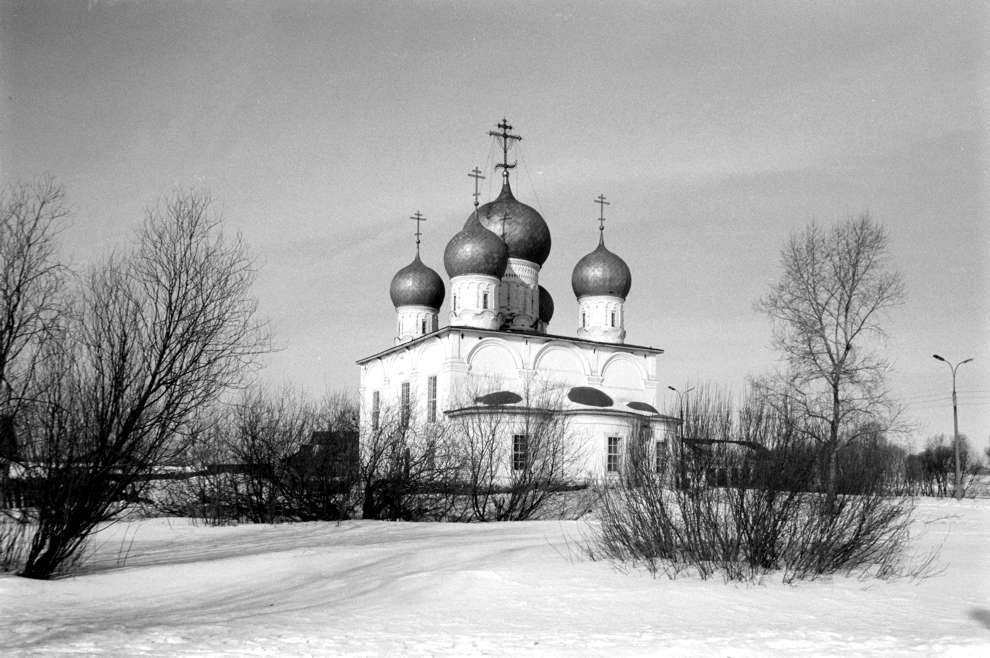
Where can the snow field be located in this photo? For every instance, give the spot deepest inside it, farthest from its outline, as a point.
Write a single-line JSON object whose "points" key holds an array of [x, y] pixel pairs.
{"points": [[374, 588]]}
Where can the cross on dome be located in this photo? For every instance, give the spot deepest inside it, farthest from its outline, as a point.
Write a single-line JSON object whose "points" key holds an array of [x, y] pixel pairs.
{"points": [[601, 217], [418, 217], [506, 138], [476, 175]]}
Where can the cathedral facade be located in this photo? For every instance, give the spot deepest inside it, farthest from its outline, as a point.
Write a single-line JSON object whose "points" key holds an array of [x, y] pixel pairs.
{"points": [[496, 354]]}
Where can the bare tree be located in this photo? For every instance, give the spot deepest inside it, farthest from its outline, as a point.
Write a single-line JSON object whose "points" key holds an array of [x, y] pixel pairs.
{"points": [[408, 470], [31, 276], [827, 308], [517, 458], [296, 459], [157, 334]]}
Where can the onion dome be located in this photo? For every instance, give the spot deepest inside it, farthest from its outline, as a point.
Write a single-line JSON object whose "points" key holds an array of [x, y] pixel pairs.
{"points": [[475, 250], [601, 273], [546, 305], [526, 234], [416, 285]]}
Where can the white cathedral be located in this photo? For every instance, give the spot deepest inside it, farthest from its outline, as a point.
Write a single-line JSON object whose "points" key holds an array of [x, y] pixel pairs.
{"points": [[497, 345]]}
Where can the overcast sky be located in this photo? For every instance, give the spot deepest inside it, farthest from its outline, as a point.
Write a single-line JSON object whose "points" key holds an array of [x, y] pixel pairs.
{"points": [[715, 129]]}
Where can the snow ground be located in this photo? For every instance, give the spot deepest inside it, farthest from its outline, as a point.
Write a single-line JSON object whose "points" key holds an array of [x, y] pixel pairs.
{"points": [[373, 588]]}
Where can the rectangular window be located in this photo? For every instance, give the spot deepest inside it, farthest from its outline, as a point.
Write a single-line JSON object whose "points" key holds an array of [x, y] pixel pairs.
{"points": [[520, 452], [613, 318], [614, 458], [424, 327], [431, 399], [404, 404], [660, 456], [376, 409], [584, 320], [455, 302], [484, 300]]}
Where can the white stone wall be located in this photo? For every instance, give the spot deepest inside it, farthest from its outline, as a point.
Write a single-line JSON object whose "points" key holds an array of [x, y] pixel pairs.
{"points": [[468, 364]]}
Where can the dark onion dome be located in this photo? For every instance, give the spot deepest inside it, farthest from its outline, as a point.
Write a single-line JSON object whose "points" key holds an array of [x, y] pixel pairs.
{"points": [[475, 250], [416, 285], [601, 273], [546, 305], [526, 234]]}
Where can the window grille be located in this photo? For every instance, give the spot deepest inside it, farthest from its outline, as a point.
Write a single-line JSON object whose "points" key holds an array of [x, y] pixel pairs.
{"points": [[405, 404], [614, 458], [520, 452], [431, 399]]}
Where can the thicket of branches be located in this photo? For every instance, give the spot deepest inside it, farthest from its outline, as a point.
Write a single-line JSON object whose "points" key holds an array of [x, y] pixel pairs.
{"points": [[102, 381], [269, 456], [498, 462], [751, 499], [931, 472]]}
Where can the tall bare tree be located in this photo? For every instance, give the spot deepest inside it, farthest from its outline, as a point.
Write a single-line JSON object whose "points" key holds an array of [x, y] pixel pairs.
{"points": [[827, 308], [31, 275], [157, 335]]}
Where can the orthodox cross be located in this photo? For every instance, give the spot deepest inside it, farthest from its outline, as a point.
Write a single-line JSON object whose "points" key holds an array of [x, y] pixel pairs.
{"points": [[418, 217], [506, 138], [476, 175], [601, 217]]}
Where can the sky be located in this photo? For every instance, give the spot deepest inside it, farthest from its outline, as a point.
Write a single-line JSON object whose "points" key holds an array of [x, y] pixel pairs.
{"points": [[715, 130]]}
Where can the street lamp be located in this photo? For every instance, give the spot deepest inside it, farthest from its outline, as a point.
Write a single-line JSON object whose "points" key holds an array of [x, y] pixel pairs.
{"points": [[680, 406], [955, 423]]}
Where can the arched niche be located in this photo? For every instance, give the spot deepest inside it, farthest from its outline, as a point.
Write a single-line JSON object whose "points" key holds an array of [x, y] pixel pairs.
{"points": [[623, 372], [492, 363], [561, 363]]}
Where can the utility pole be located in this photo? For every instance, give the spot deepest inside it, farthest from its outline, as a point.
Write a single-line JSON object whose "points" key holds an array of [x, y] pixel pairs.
{"points": [[955, 424]]}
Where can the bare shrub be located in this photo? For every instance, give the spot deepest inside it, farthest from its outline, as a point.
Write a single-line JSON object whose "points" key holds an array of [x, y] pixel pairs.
{"points": [[766, 515]]}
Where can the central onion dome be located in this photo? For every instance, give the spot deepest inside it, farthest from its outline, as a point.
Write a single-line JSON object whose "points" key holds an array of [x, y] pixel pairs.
{"points": [[546, 305], [416, 285], [475, 250], [601, 273], [526, 234]]}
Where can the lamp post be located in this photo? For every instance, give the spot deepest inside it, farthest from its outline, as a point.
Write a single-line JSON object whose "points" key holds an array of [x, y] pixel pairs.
{"points": [[681, 402], [955, 423]]}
